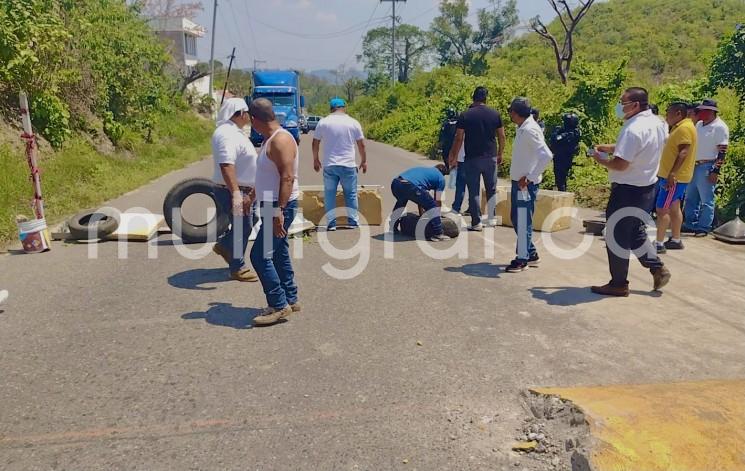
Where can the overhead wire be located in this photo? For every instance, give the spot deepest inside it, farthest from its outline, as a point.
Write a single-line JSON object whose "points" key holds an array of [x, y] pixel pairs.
{"points": [[369, 20], [330, 35]]}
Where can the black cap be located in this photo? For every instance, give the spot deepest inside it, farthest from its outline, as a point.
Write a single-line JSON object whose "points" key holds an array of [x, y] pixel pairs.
{"points": [[521, 106]]}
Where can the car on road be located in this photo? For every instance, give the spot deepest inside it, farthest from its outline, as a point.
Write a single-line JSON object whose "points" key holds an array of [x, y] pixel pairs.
{"points": [[311, 122]]}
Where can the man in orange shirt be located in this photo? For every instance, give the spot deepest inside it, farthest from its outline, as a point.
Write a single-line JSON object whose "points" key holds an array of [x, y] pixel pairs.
{"points": [[676, 172]]}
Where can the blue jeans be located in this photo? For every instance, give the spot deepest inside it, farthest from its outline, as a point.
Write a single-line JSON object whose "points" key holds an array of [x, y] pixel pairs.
{"points": [[270, 257], [405, 192], [516, 205], [347, 176], [235, 240], [699, 200], [460, 187], [476, 170]]}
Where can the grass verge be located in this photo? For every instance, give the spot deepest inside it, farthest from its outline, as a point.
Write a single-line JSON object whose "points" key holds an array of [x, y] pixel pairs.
{"points": [[77, 177]]}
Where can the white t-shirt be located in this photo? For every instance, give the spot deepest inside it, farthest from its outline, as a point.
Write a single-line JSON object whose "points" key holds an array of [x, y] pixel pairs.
{"points": [[709, 136], [338, 133], [231, 146], [640, 143], [462, 153]]}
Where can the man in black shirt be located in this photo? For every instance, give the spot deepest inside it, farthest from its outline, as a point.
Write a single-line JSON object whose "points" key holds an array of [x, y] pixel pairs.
{"points": [[447, 135], [564, 143], [480, 127]]}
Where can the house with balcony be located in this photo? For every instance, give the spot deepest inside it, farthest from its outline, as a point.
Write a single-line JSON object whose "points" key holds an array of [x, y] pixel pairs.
{"points": [[180, 36]]}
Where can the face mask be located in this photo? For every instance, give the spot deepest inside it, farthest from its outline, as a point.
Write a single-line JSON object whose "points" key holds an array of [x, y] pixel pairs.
{"points": [[619, 111]]}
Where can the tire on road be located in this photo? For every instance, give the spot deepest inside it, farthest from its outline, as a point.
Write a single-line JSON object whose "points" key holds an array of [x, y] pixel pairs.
{"points": [[93, 224], [188, 232], [406, 225]]}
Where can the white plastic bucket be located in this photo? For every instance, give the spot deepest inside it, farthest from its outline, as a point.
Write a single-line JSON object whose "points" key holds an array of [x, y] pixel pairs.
{"points": [[34, 235]]}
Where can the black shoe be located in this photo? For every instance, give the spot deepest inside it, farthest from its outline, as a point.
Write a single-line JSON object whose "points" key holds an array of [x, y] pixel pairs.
{"points": [[534, 261], [661, 248], [516, 266], [701, 233], [672, 245]]}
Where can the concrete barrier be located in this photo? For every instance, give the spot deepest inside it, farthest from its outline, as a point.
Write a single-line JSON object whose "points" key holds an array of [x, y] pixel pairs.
{"points": [[370, 204], [548, 202]]}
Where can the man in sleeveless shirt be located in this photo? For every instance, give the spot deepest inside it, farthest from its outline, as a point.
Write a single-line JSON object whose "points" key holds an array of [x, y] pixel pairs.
{"points": [[276, 192]]}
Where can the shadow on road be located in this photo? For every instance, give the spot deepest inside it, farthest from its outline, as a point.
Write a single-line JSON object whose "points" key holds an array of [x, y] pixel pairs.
{"points": [[395, 238], [574, 295], [480, 270], [226, 315], [194, 279]]}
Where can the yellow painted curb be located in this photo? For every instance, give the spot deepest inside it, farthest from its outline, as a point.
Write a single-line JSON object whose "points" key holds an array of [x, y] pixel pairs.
{"points": [[688, 426]]}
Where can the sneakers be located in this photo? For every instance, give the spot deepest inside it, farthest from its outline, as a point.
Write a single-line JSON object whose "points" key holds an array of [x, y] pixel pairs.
{"points": [[671, 245], [492, 222], [534, 261], [516, 266], [439, 238], [222, 252], [610, 290], [3, 295], [660, 247], [330, 228], [272, 315], [244, 274], [700, 233], [477, 228], [661, 277]]}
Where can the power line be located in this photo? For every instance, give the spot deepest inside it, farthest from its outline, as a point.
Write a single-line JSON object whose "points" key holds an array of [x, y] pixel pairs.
{"points": [[331, 35], [369, 20]]}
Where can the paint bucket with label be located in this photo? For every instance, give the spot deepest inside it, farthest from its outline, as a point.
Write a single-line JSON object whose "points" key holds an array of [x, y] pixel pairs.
{"points": [[34, 235]]}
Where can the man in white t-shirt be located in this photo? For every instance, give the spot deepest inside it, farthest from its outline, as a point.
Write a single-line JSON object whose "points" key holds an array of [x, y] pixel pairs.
{"points": [[234, 160], [339, 133], [632, 165], [712, 140]]}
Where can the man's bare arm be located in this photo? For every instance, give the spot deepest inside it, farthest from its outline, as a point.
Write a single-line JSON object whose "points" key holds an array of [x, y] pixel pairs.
{"points": [[460, 135], [363, 155], [501, 139], [282, 152]]}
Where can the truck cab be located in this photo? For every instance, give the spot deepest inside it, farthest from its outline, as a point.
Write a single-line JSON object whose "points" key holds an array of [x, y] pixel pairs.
{"points": [[282, 88]]}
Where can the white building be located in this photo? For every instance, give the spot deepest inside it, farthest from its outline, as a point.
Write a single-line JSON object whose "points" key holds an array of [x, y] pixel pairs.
{"points": [[180, 36]]}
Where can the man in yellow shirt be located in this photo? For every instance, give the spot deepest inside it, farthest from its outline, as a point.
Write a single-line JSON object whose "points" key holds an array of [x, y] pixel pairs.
{"points": [[676, 172]]}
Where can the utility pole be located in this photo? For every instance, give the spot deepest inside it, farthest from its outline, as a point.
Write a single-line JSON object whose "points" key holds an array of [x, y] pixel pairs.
{"points": [[212, 48], [230, 66], [393, 39]]}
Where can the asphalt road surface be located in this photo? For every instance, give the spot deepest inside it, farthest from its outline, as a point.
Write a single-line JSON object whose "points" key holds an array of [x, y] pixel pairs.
{"points": [[417, 363]]}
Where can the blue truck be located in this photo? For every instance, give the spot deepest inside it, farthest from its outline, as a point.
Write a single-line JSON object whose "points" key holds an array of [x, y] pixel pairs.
{"points": [[282, 88]]}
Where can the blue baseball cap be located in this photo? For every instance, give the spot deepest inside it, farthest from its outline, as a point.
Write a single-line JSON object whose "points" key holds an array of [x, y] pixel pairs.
{"points": [[337, 103]]}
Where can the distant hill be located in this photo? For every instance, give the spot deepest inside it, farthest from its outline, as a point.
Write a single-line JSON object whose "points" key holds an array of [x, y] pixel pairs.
{"points": [[663, 39], [329, 75]]}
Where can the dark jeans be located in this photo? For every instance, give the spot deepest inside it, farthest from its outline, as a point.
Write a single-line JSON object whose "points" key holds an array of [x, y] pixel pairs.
{"points": [[235, 240], [519, 209], [562, 166], [630, 232], [476, 170], [405, 192], [270, 257], [460, 187]]}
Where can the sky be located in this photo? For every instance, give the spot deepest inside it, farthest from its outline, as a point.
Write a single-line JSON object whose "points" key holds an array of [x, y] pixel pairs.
{"points": [[314, 34]]}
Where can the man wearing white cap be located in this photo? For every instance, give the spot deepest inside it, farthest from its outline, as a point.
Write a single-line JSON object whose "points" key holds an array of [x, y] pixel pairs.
{"points": [[235, 173]]}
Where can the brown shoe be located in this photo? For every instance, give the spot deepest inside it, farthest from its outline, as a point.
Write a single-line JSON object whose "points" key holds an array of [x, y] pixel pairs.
{"points": [[220, 250], [296, 307], [272, 315], [661, 277], [244, 274], [610, 290]]}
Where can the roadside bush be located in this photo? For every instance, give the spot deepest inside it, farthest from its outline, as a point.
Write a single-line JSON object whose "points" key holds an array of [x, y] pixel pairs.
{"points": [[731, 193]]}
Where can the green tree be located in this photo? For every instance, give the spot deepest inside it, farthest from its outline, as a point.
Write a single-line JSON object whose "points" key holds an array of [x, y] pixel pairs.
{"points": [[458, 43], [412, 46], [728, 71]]}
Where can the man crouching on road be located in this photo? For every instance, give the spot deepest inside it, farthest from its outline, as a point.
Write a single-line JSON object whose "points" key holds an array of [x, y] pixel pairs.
{"points": [[235, 172], [277, 193], [415, 185]]}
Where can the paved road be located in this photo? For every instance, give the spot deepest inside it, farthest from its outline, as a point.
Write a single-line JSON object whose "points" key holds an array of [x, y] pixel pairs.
{"points": [[417, 363]]}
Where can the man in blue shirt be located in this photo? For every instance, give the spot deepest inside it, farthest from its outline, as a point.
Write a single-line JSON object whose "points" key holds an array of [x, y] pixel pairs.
{"points": [[415, 185]]}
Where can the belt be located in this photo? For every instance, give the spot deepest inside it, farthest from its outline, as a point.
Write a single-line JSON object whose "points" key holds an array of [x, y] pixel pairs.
{"points": [[244, 189], [701, 162]]}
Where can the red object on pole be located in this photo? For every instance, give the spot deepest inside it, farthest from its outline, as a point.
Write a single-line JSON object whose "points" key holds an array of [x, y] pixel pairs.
{"points": [[30, 138]]}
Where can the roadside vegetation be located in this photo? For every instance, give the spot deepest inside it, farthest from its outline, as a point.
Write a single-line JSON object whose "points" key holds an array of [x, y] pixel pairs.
{"points": [[685, 49], [106, 105]]}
